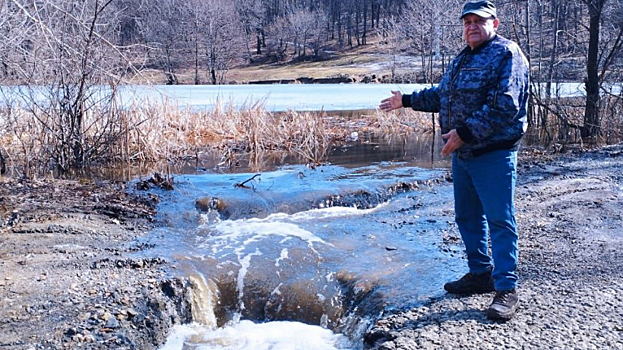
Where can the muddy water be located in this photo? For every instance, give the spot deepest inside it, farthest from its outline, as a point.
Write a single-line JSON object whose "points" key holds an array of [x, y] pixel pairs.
{"points": [[302, 258]]}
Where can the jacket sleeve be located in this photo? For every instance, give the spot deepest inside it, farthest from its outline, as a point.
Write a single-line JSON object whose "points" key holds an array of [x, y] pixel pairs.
{"points": [[426, 100], [505, 109]]}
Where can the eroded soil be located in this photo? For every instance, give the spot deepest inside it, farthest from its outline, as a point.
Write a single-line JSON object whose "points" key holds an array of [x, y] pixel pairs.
{"points": [[65, 280]]}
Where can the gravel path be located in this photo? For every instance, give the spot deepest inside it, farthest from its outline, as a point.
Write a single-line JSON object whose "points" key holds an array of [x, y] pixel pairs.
{"points": [[570, 215]]}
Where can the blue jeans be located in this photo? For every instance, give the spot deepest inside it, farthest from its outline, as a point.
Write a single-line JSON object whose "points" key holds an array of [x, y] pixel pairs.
{"points": [[484, 191]]}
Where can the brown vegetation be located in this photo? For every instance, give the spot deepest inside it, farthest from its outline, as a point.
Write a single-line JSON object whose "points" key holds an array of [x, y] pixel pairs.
{"points": [[155, 132]]}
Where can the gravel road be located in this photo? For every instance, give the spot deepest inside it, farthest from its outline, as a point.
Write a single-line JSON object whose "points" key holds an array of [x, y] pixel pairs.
{"points": [[570, 216]]}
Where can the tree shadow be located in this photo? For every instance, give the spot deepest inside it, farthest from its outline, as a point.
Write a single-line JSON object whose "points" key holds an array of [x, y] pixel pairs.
{"points": [[441, 317]]}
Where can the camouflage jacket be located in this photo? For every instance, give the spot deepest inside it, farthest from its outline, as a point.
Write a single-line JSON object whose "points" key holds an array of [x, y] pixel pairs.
{"points": [[483, 95]]}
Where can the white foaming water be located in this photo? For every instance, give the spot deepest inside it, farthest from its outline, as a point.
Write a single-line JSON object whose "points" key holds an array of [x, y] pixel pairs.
{"points": [[324, 213], [262, 228], [244, 268], [237, 236], [283, 256], [279, 224], [204, 297], [247, 335]]}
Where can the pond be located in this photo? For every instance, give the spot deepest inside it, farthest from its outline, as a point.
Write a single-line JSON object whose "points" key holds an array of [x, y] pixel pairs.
{"points": [[300, 97]]}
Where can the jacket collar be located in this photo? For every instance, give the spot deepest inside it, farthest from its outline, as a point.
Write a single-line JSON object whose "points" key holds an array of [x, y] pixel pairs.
{"points": [[468, 50]]}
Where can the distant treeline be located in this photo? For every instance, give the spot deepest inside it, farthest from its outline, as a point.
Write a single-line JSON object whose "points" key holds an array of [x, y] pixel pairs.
{"points": [[214, 35]]}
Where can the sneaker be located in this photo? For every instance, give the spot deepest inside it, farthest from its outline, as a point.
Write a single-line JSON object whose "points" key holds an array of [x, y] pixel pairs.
{"points": [[471, 283], [504, 305]]}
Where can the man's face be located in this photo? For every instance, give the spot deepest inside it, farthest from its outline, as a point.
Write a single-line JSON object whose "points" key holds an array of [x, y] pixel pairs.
{"points": [[477, 30]]}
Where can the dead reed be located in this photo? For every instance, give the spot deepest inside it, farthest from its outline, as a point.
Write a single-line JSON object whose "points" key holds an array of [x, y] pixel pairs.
{"points": [[30, 138]]}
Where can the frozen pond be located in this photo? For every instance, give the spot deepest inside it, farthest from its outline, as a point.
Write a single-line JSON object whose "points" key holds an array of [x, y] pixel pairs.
{"points": [[300, 97]]}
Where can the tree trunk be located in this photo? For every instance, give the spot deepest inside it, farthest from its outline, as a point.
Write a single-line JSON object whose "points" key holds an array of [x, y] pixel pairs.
{"points": [[365, 22], [372, 14], [357, 19], [529, 57], [196, 60], [213, 61], [552, 61], [591, 128], [349, 30]]}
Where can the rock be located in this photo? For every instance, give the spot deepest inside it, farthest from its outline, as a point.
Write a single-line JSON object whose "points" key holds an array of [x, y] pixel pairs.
{"points": [[71, 332], [112, 322], [131, 312], [89, 338], [388, 345], [209, 203]]}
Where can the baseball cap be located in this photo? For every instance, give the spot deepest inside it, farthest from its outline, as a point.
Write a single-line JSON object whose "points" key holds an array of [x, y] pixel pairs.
{"points": [[483, 9]]}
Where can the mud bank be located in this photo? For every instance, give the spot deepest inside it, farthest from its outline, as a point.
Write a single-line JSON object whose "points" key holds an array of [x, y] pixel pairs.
{"points": [[67, 278]]}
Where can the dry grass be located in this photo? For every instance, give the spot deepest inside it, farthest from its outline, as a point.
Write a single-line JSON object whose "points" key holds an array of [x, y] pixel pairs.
{"points": [[164, 131], [246, 74]]}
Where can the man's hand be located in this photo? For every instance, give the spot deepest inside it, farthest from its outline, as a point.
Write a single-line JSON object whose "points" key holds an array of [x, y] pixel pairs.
{"points": [[454, 142], [391, 103]]}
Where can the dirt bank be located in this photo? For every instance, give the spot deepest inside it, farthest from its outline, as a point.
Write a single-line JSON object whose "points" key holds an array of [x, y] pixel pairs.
{"points": [[68, 279]]}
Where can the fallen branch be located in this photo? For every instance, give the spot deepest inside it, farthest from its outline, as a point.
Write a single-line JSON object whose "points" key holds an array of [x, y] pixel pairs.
{"points": [[242, 184]]}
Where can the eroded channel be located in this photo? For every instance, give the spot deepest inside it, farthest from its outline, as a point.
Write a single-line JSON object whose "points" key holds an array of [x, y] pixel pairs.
{"points": [[305, 258]]}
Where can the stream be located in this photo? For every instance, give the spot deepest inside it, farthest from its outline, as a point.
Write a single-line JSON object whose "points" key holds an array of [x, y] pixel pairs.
{"points": [[299, 257]]}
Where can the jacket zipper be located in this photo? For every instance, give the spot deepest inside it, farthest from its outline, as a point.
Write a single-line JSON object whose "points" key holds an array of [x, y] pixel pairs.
{"points": [[454, 77]]}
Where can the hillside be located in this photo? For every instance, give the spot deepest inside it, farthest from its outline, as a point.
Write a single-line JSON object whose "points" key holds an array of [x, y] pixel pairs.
{"points": [[367, 63]]}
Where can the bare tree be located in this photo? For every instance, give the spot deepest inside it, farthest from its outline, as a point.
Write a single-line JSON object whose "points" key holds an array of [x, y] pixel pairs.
{"points": [[70, 59], [434, 40], [301, 23], [251, 17], [166, 28], [598, 62], [221, 36]]}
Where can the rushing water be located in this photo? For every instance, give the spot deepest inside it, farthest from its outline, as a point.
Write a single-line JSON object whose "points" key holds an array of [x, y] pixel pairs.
{"points": [[303, 258]]}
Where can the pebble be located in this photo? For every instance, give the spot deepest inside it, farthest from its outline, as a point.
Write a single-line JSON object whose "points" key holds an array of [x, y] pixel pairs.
{"points": [[131, 312], [112, 322]]}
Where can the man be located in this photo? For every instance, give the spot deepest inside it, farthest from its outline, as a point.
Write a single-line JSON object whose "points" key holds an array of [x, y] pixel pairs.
{"points": [[482, 106]]}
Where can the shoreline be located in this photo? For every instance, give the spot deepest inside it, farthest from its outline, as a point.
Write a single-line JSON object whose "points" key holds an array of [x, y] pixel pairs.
{"points": [[66, 279]]}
